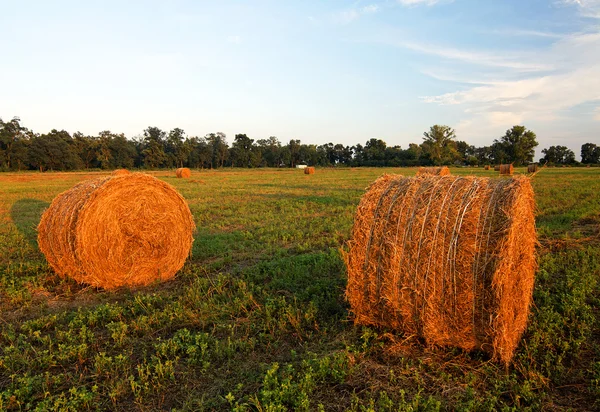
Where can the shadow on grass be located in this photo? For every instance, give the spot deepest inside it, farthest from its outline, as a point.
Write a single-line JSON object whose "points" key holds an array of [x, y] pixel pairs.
{"points": [[26, 214]]}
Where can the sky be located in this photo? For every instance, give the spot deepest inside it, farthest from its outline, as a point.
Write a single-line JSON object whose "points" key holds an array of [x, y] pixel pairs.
{"points": [[319, 71]]}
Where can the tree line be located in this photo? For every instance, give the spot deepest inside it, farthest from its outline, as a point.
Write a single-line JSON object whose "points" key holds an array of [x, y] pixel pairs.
{"points": [[22, 149]]}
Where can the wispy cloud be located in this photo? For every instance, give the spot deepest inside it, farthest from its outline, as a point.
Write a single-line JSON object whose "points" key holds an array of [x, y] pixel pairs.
{"points": [[501, 60], [525, 33], [574, 81], [422, 2], [350, 15], [587, 8], [597, 114]]}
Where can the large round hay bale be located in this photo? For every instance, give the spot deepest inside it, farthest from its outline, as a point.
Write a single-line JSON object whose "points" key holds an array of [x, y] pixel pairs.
{"points": [[120, 172], [183, 172], [309, 170], [449, 259], [532, 168], [507, 170], [117, 231], [434, 171]]}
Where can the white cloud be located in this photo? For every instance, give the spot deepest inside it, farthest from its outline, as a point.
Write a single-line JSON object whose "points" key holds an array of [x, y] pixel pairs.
{"points": [[350, 15], [502, 60], [587, 8], [522, 32], [548, 97], [420, 2]]}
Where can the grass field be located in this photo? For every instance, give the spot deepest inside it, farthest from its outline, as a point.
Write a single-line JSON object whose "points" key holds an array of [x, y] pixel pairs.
{"points": [[256, 320]]}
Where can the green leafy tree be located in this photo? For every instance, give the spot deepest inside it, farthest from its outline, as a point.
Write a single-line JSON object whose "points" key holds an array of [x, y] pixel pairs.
{"points": [[439, 145], [294, 151], [241, 151], [558, 155], [13, 141], [219, 148], [153, 152], [590, 153], [517, 146]]}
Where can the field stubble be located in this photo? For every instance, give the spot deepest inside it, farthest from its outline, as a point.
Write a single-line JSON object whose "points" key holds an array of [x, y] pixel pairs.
{"points": [[256, 320]]}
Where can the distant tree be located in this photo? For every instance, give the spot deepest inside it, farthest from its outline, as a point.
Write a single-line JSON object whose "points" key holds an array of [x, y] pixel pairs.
{"points": [[516, 146], [294, 151], [14, 139], [466, 152], [241, 151], [558, 155], [439, 145], [123, 152], [175, 148], [153, 152], [53, 151], [219, 148], [590, 153], [374, 152]]}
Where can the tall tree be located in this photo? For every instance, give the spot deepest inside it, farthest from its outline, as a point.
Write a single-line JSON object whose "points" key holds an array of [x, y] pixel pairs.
{"points": [[153, 152], [558, 155], [590, 153], [241, 150], [517, 146], [220, 148], [439, 145]]}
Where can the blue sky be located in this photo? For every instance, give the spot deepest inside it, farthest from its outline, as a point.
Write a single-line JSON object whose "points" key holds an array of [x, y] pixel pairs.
{"points": [[320, 71]]}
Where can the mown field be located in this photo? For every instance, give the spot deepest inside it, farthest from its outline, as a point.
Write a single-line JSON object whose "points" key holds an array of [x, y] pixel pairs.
{"points": [[256, 320]]}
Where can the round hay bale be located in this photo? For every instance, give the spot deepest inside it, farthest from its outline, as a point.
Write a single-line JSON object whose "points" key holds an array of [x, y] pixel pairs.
{"points": [[487, 167], [507, 170], [309, 170], [120, 172], [532, 168], [433, 171], [497, 168], [183, 172], [449, 259], [117, 231]]}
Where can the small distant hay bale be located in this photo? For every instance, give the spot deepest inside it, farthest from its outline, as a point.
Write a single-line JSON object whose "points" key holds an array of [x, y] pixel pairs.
{"points": [[487, 167], [589, 166], [183, 172], [507, 170], [120, 172], [433, 171], [448, 259], [117, 231], [497, 168], [309, 170], [532, 168]]}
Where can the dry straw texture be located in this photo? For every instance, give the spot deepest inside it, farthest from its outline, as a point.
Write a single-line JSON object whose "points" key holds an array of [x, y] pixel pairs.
{"points": [[532, 168], [117, 231], [435, 171], [309, 170], [183, 172], [487, 167], [120, 172], [450, 259], [506, 170], [496, 168]]}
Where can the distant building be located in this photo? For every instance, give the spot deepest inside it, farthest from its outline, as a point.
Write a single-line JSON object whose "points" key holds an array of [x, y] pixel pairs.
{"points": [[301, 166]]}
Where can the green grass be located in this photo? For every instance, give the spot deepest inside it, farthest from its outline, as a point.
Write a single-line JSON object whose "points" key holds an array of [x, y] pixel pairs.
{"points": [[257, 320]]}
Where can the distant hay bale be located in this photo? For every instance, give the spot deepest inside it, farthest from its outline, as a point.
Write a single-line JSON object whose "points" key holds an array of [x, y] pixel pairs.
{"points": [[183, 172], [449, 259], [487, 167], [532, 168], [117, 231], [309, 170], [507, 170], [497, 168], [120, 172], [434, 171], [589, 166]]}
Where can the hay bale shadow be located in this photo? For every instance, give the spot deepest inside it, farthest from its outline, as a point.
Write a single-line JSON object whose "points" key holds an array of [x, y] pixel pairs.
{"points": [[26, 214]]}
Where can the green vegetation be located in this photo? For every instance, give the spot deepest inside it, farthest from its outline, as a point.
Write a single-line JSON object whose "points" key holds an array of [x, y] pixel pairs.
{"points": [[22, 149], [256, 320]]}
